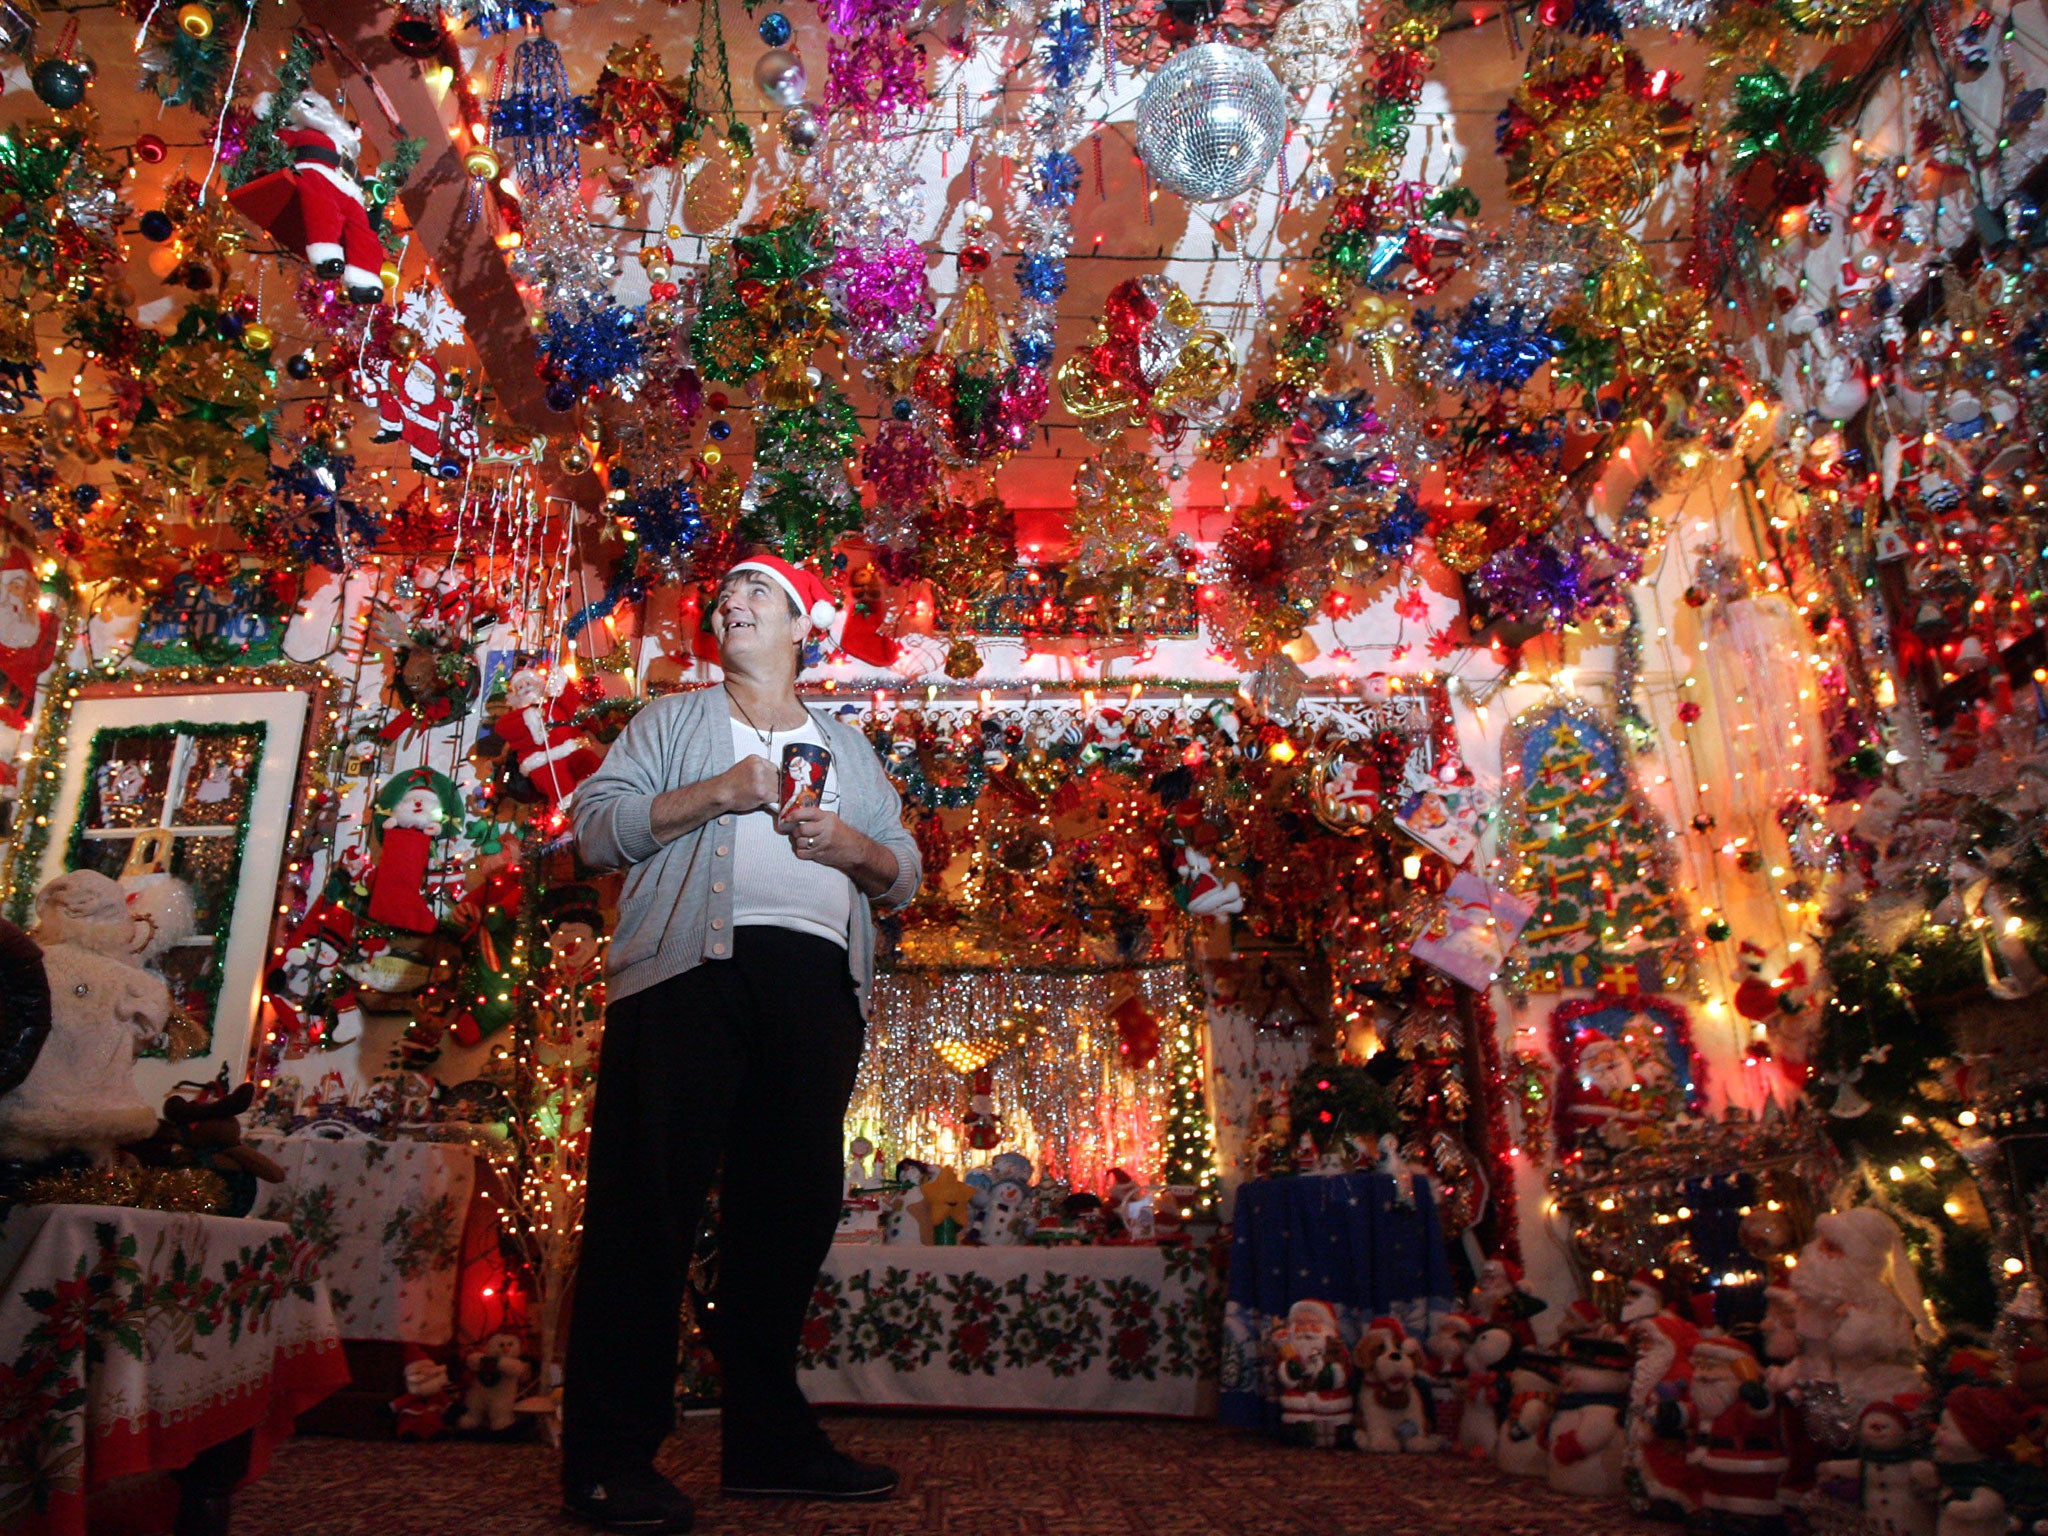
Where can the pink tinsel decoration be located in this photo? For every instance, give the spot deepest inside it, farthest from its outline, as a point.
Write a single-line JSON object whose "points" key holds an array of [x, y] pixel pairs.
{"points": [[882, 297]]}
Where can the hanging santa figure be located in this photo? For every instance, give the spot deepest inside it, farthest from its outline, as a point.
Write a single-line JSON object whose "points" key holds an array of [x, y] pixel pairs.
{"points": [[412, 810], [538, 725], [316, 206], [28, 638], [412, 405]]}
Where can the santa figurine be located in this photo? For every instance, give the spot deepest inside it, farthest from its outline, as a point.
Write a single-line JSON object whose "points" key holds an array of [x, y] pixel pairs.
{"points": [[28, 637], [422, 1412], [412, 809], [1201, 891], [1738, 1433], [315, 207], [551, 751], [1660, 1481], [1314, 1373], [413, 406], [1860, 1316]]}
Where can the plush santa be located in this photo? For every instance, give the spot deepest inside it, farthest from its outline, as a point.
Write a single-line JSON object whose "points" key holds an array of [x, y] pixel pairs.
{"points": [[1860, 1315], [1737, 1428], [28, 638], [1200, 890], [1444, 1370], [316, 206], [553, 753], [1313, 1371], [1588, 1448], [422, 1412], [412, 810], [413, 407], [1661, 1481]]}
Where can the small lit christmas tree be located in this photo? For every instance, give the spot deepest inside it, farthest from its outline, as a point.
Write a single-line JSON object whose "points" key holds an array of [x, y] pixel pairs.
{"points": [[1591, 855], [1189, 1158]]}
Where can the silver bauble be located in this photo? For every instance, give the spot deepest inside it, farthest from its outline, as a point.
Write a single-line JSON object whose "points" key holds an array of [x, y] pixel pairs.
{"points": [[801, 130], [1314, 44], [779, 76], [1210, 123]]}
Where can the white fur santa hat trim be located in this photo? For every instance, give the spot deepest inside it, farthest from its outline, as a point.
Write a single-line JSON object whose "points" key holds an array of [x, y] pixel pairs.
{"points": [[812, 597]]}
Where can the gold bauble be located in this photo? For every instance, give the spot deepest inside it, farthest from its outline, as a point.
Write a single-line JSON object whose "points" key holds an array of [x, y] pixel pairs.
{"points": [[962, 660], [714, 197], [257, 338], [404, 343], [482, 163], [576, 457], [195, 21], [390, 275]]}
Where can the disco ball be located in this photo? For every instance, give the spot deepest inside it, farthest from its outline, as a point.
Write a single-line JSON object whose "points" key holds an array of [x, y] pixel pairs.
{"points": [[1210, 122]]}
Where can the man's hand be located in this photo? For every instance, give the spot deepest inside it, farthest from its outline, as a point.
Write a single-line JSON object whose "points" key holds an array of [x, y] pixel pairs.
{"points": [[750, 784]]}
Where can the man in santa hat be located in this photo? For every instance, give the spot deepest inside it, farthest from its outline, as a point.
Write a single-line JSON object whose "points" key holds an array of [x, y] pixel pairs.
{"points": [[738, 977], [1738, 1438]]}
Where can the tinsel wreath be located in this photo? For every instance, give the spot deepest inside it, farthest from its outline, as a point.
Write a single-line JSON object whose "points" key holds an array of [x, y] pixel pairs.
{"points": [[1267, 581]]}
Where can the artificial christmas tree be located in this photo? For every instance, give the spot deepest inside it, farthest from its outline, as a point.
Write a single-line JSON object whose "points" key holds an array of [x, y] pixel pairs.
{"points": [[1592, 857]]}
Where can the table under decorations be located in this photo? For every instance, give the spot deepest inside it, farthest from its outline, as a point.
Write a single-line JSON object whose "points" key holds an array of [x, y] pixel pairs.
{"points": [[1358, 1241], [139, 1340], [385, 1219], [1104, 1328]]}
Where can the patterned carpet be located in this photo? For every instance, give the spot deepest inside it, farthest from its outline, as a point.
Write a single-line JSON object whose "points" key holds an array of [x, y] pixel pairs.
{"points": [[982, 1476]]}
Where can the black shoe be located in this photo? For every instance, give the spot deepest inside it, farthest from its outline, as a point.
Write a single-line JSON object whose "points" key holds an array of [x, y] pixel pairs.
{"points": [[828, 1475], [629, 1501]]}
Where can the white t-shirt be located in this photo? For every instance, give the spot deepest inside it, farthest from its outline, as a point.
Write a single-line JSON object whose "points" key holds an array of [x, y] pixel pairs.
{"points": [[771, 886]]}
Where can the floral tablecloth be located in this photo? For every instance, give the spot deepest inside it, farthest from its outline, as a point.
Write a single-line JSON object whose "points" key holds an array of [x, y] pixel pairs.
{"points": [[385, 1218], [1358, 1241], [1107, 1329], [130, 1341]]}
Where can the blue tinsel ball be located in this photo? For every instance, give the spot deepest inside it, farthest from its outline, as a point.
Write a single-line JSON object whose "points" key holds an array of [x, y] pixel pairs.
{"points": [[1032, 351], [775, 29], [720, 430]]}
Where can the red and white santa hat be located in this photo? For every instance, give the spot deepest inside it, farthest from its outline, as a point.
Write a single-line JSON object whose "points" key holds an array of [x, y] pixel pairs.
{"points": [[811, 596]]}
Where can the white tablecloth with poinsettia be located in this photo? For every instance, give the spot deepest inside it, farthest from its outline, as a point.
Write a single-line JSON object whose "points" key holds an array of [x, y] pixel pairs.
{"points": [[385, 1218], [131, 1341], [1102, 1329]]}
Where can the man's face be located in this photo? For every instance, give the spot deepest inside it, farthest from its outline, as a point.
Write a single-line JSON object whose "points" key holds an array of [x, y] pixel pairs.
{"points": [[753, 621]]}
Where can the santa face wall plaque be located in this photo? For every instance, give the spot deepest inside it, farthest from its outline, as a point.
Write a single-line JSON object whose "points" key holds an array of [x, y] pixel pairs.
{"points": [[1626, 1071]]}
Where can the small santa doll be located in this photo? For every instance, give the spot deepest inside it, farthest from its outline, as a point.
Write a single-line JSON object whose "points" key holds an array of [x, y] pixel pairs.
{"points": [[551, 751], [28, 637], [1738, 1436], [422, 1412]]}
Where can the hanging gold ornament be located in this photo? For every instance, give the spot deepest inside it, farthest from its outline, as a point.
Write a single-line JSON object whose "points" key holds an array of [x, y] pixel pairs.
{"points": [[482, 163], [1122, 516], [1382, 328], [1590, 133], [195, 21], [715, 195], [257, 338], [962, 660]]}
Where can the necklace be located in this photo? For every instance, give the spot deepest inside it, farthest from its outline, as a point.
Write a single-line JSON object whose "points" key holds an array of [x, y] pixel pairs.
{"points": [[767, 737]]}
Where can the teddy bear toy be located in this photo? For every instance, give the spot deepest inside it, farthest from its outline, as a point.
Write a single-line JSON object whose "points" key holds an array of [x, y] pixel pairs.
{"points": [[497, 1370], [422, 1412], [80, 1096], [315, 206], [1392, 1416]]}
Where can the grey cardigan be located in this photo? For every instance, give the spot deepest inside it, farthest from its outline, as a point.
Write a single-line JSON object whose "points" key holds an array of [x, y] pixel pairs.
{"points": [[676, 911]]}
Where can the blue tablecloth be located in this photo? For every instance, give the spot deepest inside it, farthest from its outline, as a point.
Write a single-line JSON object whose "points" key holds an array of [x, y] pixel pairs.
{"points": [[1350, 1240]]}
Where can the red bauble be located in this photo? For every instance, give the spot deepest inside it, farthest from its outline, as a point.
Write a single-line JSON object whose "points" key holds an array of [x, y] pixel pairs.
{"points": [[974, 259], [1553, 13], [150, 149]]}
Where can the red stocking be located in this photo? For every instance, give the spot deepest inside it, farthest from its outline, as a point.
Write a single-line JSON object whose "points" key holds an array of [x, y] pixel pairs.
{"points": [[398, 885]]}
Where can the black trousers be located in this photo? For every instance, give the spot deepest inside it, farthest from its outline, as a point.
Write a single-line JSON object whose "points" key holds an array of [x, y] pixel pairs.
{"points": [[746, 1063]]}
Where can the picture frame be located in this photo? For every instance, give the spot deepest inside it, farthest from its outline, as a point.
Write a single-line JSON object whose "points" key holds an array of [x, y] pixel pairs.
{"points": [[1626, 1068]]}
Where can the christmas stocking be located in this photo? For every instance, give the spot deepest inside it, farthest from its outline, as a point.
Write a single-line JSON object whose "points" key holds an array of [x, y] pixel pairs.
{"points": [[398, 883]]}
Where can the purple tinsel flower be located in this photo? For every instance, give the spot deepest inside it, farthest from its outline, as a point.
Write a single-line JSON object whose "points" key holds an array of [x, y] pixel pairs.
{"points": [[877, 73], [899, 464], [882, 297], [1543, 583]]}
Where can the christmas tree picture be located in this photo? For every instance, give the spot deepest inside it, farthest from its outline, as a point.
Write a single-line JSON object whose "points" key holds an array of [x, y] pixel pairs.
{"points": [[1584, 847]]}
